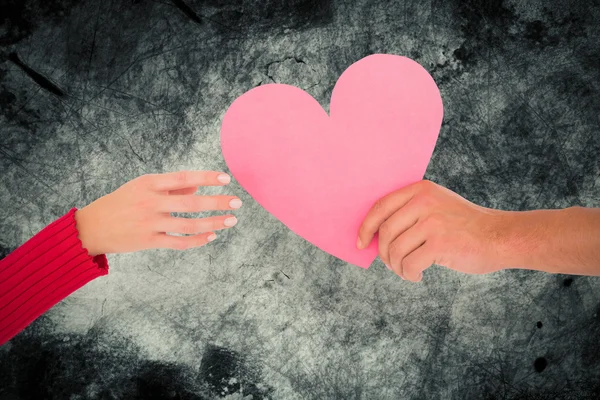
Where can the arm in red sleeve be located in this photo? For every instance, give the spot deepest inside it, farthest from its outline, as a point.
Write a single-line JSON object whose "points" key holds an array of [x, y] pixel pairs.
{"points": [[43, 271]]}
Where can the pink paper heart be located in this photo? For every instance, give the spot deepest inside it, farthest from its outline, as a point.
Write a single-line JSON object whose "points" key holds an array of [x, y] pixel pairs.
{"points": [[321, 174]]}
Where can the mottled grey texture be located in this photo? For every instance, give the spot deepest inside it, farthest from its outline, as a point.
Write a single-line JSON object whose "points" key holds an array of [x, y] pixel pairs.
{"points": [[260, 312]]}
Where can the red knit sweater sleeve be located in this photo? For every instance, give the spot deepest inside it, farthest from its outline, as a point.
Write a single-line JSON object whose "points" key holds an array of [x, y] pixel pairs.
{"points": [[43, 271]]}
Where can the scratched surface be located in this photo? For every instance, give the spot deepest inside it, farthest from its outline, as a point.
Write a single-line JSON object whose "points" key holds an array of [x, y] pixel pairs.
{"points": [[94, 93]]}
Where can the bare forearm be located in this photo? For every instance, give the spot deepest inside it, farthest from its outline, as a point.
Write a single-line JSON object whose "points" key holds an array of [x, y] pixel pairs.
{"points": [[557, 241]]}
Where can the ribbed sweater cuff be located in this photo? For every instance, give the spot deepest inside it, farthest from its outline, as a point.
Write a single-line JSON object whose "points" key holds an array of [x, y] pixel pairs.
{"points": [[43, 271]]}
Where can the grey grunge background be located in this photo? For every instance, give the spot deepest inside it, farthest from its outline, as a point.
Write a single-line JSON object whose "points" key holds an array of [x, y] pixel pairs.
{"points": [[132, 87]]}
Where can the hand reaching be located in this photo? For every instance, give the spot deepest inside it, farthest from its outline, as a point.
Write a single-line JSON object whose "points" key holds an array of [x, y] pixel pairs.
{"points": [[136, 216]]}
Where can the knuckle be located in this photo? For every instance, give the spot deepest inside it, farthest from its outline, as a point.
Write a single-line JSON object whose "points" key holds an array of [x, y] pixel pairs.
{"points": [[143, 180], [426, 184], [188, 227], [394, 249], [385, 230], [216, 224], [434, 219], [379, 206], [188, 203], [425, 200], [181, 177], [214, 203], [145, 203]]}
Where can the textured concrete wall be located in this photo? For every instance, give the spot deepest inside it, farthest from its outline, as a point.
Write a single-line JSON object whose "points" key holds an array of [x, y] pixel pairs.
{"points": [[141, 86]]}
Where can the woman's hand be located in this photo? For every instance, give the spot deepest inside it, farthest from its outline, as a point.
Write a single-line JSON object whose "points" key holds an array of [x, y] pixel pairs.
{"points": [[136, 216], [424, 224]]}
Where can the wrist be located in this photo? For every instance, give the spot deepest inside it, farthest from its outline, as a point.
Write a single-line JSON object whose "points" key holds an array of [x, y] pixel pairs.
{"points": [[83, 228], [544, 240], [524, 239]]}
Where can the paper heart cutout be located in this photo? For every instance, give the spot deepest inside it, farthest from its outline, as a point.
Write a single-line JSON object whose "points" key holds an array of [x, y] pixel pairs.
{"points": [[321, 174]]}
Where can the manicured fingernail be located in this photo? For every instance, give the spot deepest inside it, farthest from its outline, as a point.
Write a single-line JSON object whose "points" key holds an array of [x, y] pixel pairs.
{"points": [[231, 221], [388, 267], [359, 243], [235, 203], [224, 178], [211, 237]]}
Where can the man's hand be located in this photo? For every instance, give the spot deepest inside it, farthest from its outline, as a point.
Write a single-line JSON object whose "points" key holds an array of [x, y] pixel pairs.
{"points": [[424, 224], [136, 216]]}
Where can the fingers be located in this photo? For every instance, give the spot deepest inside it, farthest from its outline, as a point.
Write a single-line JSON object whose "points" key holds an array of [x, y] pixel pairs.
{"points": [[395, 226], [193, 226], [178, 192], [165, 241], [416, 262], [381, 211], [185, 179], [195, 203], [405, 244]]}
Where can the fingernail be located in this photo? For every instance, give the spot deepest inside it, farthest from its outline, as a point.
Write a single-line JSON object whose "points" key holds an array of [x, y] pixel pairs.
{"points": [[224, 178], [211, 237], [235, 203], [420, 277], [231, 221], [388, 267], [359, 243]]}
